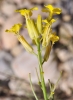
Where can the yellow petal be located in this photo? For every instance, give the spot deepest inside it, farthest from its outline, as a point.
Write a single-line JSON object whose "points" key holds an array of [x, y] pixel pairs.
{"points": [[54, 38], [50, 7], [26, 12], [15, 28], [34, 8], [49, 22], [47, 26], [22, 11], [52, 10], [57, 10], [45, 20], [52, 21]]}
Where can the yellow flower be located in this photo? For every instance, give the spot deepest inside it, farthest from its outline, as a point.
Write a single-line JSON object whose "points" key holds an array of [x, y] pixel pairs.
{"points": [[25, 43], [51, 9], [46, 32], [54, 38], [15, 28], [32, 29], [49, 37], [27, 12], [49, 22]]}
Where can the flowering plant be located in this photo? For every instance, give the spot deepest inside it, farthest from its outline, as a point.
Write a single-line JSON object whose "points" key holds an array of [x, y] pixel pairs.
{"points": [[40, 31]]}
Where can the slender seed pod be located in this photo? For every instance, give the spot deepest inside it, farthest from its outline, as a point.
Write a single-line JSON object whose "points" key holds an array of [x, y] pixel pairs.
{"points": [[46, 38], [47, 52], [39, 24], [25, 43], [29, 28], [34, 29]]}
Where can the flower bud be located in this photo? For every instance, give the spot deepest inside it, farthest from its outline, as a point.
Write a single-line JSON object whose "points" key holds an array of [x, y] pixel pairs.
{"points": [[39, 24]]}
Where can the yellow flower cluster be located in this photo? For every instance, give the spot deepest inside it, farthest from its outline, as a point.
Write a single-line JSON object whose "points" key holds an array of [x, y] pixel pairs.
{"points": [[39, 29]]}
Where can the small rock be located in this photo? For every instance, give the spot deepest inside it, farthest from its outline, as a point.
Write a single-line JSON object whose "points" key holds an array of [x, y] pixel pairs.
{"points": [[67, 69], [69, 28], [51, 1], [4, 69], [64, 31], [70, 80], [67, 66], [64, 87], [6, 56], [66, 18], [65, 35], [19, 87], [63, 54], [2, 20], [37, 1], [70, 46], [17, 50], [0, 45], [26, 63], [23, 4], [18, 2], [5, 60], [8, 9], [8, 1]]}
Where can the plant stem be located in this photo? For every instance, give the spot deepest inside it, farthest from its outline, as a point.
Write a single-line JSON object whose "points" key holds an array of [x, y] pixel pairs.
{"points": [[41, 71], [32, 88]]}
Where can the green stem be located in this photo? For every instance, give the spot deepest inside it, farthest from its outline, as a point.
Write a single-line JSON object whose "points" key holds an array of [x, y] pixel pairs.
{"points": [[32, 88], [41, 71]]}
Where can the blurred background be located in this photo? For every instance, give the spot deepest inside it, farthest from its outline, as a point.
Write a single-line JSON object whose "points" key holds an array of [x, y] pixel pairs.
{"points": [[16, 63]]}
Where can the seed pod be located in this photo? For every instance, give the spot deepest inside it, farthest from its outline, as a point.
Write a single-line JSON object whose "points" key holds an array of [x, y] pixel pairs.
{"points": [[47, 52], [46, 36], [39, 24], [25, 44], [34, 29], [29, 28]]}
